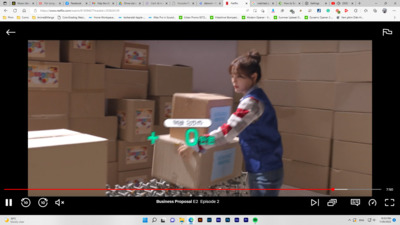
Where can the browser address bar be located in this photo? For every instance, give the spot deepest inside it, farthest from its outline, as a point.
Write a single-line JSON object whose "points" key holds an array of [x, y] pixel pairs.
{"points": [[77, 10]]}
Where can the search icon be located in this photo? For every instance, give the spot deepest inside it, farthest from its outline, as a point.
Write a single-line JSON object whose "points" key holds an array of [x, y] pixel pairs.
{"points": [[154, 220]]}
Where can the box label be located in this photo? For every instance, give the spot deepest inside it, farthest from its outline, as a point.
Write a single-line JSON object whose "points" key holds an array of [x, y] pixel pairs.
{"points": [[167, 110], [223, 163], [143, 121], [121, 119], [136, 154], [82, 44], [135, 56], [43, 76], [219, 116], [36, 49]]}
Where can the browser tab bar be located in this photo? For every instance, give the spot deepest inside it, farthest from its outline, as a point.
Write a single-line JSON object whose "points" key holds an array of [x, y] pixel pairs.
{"points": [[284, 3]]}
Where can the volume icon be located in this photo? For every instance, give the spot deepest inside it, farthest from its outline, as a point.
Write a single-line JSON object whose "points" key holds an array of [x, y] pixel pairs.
{"points": [[8, 202]]}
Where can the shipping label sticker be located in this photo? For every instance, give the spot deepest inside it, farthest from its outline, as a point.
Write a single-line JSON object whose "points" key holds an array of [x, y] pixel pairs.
{"points": [[223, 163], [144, 121], [121, 119], [219, 116], [82, 44], [135, 56], [167, 110], [36, 49], [43, 76], [136, 180], [136, 154]]}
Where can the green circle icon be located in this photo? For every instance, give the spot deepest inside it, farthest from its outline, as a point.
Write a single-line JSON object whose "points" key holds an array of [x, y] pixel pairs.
{"points": [[255, 220]]}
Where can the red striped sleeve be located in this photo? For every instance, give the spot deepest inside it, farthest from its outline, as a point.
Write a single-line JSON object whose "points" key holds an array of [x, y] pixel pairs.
{"points": [[225, 128], [241, 112], [201, 149]]}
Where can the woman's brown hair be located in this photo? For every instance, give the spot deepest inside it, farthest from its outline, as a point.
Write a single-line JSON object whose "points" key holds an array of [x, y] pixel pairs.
{"points": [[247, 64]]}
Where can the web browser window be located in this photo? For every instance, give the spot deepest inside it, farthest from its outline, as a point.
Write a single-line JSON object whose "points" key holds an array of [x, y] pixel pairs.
{"points": [[199, 112]]}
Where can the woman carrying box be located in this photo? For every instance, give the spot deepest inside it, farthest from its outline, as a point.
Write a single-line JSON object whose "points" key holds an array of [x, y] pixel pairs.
{"points": [[255, 123]]}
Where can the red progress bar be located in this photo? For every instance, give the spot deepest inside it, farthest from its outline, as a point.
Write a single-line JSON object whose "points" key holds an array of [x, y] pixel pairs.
{"points": [[113, 189]]}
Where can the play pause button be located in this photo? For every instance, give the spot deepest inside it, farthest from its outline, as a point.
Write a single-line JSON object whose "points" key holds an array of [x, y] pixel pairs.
{"points": [[8, 202]]}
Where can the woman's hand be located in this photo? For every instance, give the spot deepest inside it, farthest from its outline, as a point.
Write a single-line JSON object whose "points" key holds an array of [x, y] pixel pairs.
{"points": [[185, 151]]}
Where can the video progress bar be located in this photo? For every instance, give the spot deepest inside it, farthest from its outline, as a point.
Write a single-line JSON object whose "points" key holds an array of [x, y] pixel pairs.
{"points": [[358, 189], [158, 189], [195, 189]]}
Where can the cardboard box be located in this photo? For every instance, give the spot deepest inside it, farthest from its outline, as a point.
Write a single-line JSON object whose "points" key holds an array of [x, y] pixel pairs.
{"points": [[350, 156], [66, 159], [49, 76], [263, 66], [307, 94], [199, 170], [316, 95], [105, 127], [319, 46], [244, 47], [353, 127], [47, 122], [306, 175], [281, 67], [353, 97], [135, 118], [215, 107], [87, 104], [160, 129], [44, 50], [44, 102], [126, 84], [112, 175], [134, 155], [295, 46], [122, 54], [112, 151], [354, 67], [350, 180], [279, 47], [311, 122], [281, 93], [135, 177], [307, 149], [79, 51], [318, 66], [355, 46], [163, 108], [165, 80], [88, 76]]}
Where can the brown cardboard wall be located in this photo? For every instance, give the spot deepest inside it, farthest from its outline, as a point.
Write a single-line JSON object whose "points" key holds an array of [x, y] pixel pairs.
{"points": [[322, 95]]}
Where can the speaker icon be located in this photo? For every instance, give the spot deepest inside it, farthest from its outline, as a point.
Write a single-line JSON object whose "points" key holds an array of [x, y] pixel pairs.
{"points": [[59, 202]]}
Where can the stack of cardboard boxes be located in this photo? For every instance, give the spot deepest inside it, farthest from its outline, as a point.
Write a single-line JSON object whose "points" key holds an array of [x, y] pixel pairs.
{"points": [[352, 130], [319, 90], [164, 82], [49, 86], [140, 95], [87, 99], [68, 94], [126, 78]]}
